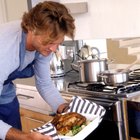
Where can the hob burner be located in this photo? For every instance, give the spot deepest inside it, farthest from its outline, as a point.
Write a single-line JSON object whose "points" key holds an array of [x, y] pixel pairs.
{"points": [[101, 87]]}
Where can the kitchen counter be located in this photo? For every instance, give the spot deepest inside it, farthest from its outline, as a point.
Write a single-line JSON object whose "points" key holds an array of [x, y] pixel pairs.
{"points": [[73, 76], [29, 98], [62, 82]]}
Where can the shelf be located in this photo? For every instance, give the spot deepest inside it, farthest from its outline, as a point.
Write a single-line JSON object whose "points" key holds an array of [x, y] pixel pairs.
{"points": [[128, 42], [77, 8]]}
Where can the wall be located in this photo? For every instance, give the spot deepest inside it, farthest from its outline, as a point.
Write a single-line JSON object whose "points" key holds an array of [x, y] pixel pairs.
{"points": [[101, 44], [118, 54], [104, 19], [108, 19]]}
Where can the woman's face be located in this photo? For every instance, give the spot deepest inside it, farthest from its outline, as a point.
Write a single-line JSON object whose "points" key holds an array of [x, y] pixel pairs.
{"points": [[38, 43]]}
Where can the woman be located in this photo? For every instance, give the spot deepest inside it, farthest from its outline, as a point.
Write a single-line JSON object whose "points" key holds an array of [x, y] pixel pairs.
{"points": [[26, 50]]}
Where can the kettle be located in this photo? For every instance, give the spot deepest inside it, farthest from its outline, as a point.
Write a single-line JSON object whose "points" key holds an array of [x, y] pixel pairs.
{"points": [[86, 52], [57, 65]]}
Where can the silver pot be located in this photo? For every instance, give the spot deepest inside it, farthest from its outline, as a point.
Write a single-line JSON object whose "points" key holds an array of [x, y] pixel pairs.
{"points": [[114, 77], [89, 69]]}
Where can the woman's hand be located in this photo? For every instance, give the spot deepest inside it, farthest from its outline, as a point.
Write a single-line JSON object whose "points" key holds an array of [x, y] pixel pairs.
{"points": [[14, 134]]}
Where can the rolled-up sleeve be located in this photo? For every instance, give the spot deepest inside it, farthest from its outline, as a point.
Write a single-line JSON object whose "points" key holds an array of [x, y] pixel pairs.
{"points": [[44, 84], [4, 128]]}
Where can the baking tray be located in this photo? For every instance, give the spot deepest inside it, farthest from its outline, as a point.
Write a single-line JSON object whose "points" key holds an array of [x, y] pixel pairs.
{"points": [[95, 121]]}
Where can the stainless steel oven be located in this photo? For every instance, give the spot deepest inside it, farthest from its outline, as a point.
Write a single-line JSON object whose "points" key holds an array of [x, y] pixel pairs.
{"points": [[118, 122], [113, 126], [115, 123]]}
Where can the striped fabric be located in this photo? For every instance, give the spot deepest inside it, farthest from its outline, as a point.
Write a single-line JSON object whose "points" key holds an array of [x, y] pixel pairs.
{"points": [[80, 105], [47, 129]]}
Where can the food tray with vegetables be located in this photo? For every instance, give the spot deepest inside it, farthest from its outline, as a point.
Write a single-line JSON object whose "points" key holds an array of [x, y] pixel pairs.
{"points": [[82, 117], [81, 127]]}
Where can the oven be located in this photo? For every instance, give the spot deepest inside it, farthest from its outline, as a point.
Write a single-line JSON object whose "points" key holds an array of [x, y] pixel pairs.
{"points": [[115, 123], [112, 126]]}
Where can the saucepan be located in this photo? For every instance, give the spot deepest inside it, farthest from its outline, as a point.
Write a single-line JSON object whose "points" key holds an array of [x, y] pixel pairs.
{"points": [[88, 69], [117, 76], [114, 77]]}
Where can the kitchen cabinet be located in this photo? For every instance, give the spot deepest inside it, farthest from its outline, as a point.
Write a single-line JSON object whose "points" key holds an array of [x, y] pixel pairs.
{"points": [[15, 9], [34, 111], [74, 7], [12, 10], [29, 98], [2, 11], [31, 119]]}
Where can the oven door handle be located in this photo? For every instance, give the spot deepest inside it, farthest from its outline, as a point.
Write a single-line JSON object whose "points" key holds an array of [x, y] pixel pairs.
{"points": [[25, 97]]}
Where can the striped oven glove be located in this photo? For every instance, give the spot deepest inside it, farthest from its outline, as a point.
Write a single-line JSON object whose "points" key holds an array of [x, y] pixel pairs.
{"points": [[78, 105], [47, 129]]}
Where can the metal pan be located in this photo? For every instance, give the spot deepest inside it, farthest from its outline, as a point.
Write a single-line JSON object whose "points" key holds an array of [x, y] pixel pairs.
{"points": [[114, 77]]}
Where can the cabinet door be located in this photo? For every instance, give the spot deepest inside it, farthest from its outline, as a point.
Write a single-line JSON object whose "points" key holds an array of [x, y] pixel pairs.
{"points": [[13, 11], [31, 119]]}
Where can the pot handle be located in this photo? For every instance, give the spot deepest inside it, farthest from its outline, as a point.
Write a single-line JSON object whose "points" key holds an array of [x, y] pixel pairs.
{"points": [[131, 65], [102, 76], [94, 48], [75, 65]]}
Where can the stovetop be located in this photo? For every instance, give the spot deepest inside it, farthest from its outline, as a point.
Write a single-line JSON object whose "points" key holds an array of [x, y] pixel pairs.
{"points": [[129, 89]]}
